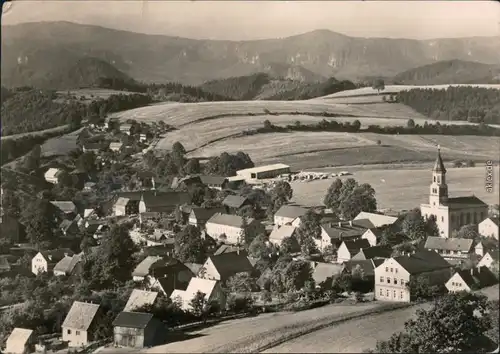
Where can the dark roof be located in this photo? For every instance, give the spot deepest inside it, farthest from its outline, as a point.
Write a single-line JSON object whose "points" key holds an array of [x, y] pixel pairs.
{"points": [[480, 277], [204, 214], [57, 254], [422, 261], [94, 146], [461, 202], [228, 249], [291, 211], [374, 252], [338, 232], [449, 244], [229, 264], [176, 280], [13, 228], [365, 223], [134, 196], [354, 246], [214, 180], [234, 201], [159, 200], [161, 250], [439, 165], [367, 265], [132, 319]]}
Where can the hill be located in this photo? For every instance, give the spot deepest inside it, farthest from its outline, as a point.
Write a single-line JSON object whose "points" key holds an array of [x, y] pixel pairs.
{"points": [[32, 51], [450, 72]]}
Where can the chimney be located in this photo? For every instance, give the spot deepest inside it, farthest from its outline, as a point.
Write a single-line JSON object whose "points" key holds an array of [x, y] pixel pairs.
{"points": [[350, 223], [360, 249], [340, 223]]}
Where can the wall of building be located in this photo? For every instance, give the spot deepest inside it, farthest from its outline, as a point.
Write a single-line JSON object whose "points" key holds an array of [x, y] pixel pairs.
{"points": [[370, 236], [209, 271], [129, 337], [466, 216], [441, 214], [390, 282], [488, 228], [282, 220], [39, 264], [233, 234], [456, 283], [74, 337]]}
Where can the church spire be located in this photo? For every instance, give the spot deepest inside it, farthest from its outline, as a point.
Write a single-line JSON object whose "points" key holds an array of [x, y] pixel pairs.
{"points": [[439, 165]]}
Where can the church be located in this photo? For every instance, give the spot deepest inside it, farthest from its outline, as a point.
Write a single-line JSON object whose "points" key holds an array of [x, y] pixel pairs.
{"points": [[451, 213]]}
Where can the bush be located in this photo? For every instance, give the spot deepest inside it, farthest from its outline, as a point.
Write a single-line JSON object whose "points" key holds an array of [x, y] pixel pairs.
{"points": [[239, 304]]}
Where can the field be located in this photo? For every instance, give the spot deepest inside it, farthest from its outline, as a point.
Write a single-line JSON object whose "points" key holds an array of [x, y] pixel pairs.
{"points": [[61, 128], [61, 145], [404, 189]]}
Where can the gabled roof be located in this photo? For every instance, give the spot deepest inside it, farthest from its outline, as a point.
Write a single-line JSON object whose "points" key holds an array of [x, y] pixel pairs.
{"points": [[461, 202], [480, 277], [204, 214], [323, 271], [282, 232], [449, 244], [213, 180], [80, 316], [157, 201], [345, 231], [495, 255], [230, 248], [228, 220], [205, 286], [122, 201], [52, 172], [367, 266], [57, 254], [354, 246], [66, 224], [365, 223], [132, 319], [194, 267], [422, 262], [139, 298], [18, 339], [229, 264], [493, 220], [234, 201], [65, 206], [171, 282], [143, 268], [373, 252], [376, 219], [67, 264], [291, 211]]}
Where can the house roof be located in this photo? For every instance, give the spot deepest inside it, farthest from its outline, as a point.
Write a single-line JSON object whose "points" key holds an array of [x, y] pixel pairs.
{"points": [[265, 168], [338, 232], [439, 165], [354, 246], [134, 195], [282, 232], [480, 277], [323, 271], [67, 264], [291, 211], [204, 214], [170, 282], [365, 223], [18, 339], [52, 172], [132, 319], [229, 264], [205, 286], [367, 265], [422, 261], [65, 206], [4, 263], [213, 180], [143, 268], [234, 201], [194, 267], [115, 144], [449, 244], [66, 224], [376, 219], [228, 220], [122, 201], [374, 252], [139, 298], [80, 316], [461, 202], [494, 220], [229, 248], [94, 146], [57, 254], [157, 201], [494, 255]]}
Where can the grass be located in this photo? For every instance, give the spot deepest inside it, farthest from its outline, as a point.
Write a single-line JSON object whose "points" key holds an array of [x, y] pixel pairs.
{"points": [[61, 129], [404, 189], [61, 145]]}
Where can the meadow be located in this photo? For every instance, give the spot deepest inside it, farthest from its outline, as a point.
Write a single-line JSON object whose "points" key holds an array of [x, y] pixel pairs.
{"points": [[61, 145], [404, 189]]}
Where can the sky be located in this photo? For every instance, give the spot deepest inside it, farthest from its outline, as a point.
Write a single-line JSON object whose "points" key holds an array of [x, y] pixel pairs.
{"points": [[246, 20]]}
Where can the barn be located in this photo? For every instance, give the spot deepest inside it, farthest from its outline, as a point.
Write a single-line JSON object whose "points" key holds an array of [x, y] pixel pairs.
{"points": [[138, 330]]}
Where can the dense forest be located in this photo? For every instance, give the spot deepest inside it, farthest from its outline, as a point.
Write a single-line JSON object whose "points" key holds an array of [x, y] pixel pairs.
{"points": [[474, 104], [312, 90], [241, 88]]}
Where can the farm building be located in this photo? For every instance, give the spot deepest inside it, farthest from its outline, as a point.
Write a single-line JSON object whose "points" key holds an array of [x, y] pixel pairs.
{"points": [[164, 202], [263, 172], [79, 326], [20, 341], [287, 214], [280, 233], [68, 265], [139, 298], [452, 249], [138, 330], [230, 227], [377, 220], [489, 227], [233, 203], [214, 182], [471, 279], [333, 234], [45, 261]]}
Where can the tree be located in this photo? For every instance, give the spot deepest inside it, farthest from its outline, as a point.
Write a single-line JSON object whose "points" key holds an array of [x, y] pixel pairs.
{"points": [[414, 225], [332, 197], [189, 246], [361, 199], [38, 217], [11, 204], [192, 166], [242, 283], [289, 245], [308, 231], [32, 160], [356, 125], [378, 85], [258, 247], [280, 195], [198, 304], [410, 123], [431, 227], [468, 231], [86, 162], [404, 248], [267, 125]]}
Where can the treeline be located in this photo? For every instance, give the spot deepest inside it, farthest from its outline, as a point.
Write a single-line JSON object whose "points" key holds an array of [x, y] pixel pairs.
{"points": [[474, 104], [312, 90], [116, 103], [118, 84], [241, 88], [33, 110]]}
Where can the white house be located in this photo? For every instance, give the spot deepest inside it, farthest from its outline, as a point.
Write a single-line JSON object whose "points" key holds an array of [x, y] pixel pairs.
{"points": [[333, 234], [78, 328], [471, 279], [120, 208], [225, 265], [280, 233], [211, 289], [489, 227], [287, 214], [20, 341], [52, 174], [452, 249], [489, 260], [45, 261], [372, 236], [115, 146], [377, 220], [230, 226], [349, 249], [263, 172]]}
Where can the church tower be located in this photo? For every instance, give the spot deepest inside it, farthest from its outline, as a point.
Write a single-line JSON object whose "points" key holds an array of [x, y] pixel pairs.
{"points": [[439, 188]]}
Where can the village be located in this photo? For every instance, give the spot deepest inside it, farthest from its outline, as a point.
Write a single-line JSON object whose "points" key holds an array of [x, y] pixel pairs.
{"points": [[187, 246]]}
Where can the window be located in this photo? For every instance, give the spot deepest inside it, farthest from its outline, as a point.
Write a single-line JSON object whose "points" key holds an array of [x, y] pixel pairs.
{"points": [[475, 218], [387, 293], [394, 293], [69, 331], [391, 270], [468, 218], [401, 295], [395, 281], [442, 218], [386, 269], [452, 218], [381, 279], [381, 292], [434, 180], [439, 179], [402, 282], [388, 280], [77, 333]]}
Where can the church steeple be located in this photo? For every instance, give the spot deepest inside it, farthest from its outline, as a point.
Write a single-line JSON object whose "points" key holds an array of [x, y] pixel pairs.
{"points": [[438, 188]]}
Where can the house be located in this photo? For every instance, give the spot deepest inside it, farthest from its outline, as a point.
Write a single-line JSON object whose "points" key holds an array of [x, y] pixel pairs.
{"points": [[89, 186], [187, 181], [69, 265], [143, 137], [78, 328], [450, 213], [93, 147], [115, 146], [489, 227], [373, 252], [123, 207], [393, 275], [349, 248], [333, 234], [211, 288], [65, 209], [138, 330], [373, 235], [287, 214], [377, 220], [224, 266], [325, 272], [199, 216], [165, 202], [52, 175], [230, 228], [450, 248], [12, 229], [254, 174], [69, 228], [20, 341], [147, 267], [45, 261], [479, 249], [471, 279], [174, 276], [126, 128], [490, 259], [280, 233], [235, 182], [233, 203], [229, 248], [365, 223], [367, 266], [214, 182], [140, 298]]}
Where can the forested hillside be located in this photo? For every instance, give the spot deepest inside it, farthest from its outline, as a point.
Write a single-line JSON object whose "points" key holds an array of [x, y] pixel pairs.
{"points": [[474, 104], [312, 90], [240, 88]]}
